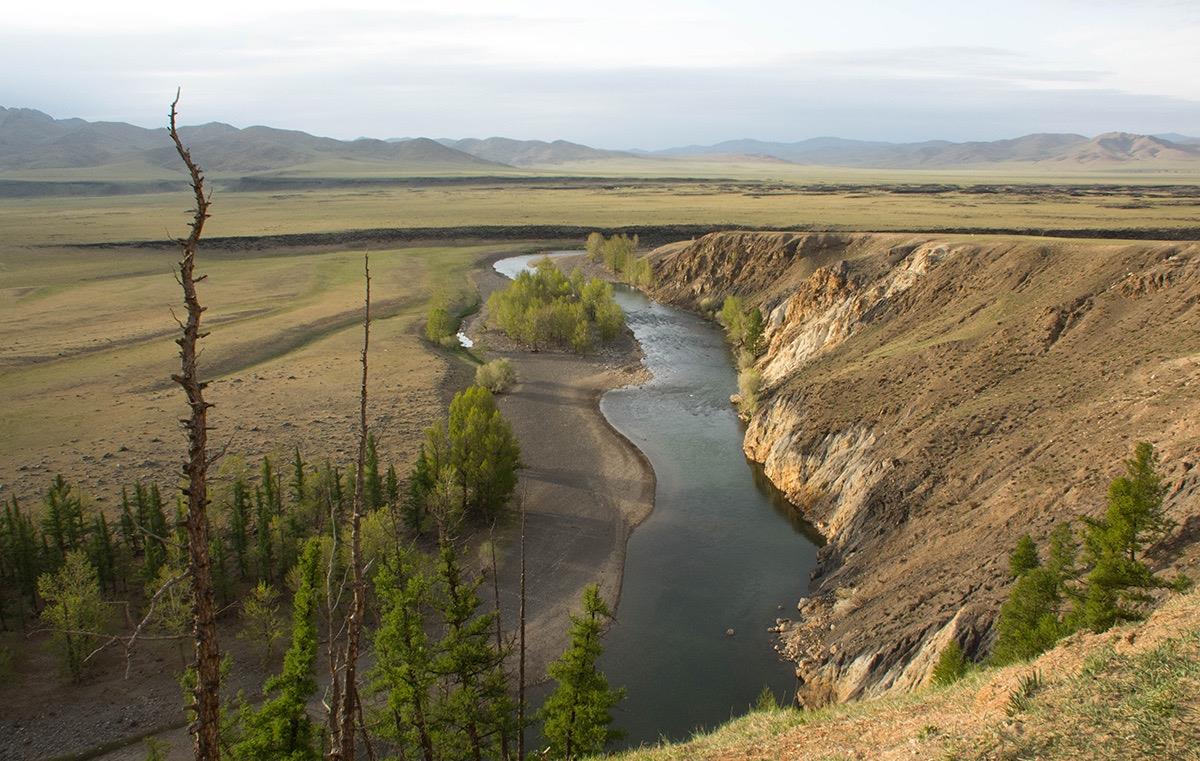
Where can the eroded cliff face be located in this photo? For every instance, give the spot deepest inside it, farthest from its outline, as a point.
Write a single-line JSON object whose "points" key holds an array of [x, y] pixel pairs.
{"points": [[928, 400]]}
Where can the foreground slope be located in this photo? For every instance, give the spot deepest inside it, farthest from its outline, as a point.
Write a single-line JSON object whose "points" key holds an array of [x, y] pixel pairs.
{"points": [[929, 399], [1133, 692]]}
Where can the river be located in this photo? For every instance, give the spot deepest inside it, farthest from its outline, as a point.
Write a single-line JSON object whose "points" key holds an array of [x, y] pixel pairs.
{"points": [[721, 551]]}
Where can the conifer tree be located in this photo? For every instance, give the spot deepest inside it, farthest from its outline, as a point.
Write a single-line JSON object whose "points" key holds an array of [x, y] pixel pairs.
{"points": [[262, 535], [405, 658], [1119, 582], [298, 487], [372, 482], [476, 709], [1029, 622], [281, 729], [74, 610], [951, 666], [130, 535], [1024, 558], [391, 487], [239, 526], [577, 717]]}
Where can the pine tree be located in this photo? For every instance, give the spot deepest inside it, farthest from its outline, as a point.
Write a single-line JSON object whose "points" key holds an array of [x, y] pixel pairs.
{"points": [[298, 486], [262, 535], [280, 729], [951, 666], [239, 526], [1029, 622], [577, 717], [1119, 582], [391, 488], [130, 535], [476, 709], [1024, 558], [405, 658], [372, 483], [154, 522], [103, 554]]}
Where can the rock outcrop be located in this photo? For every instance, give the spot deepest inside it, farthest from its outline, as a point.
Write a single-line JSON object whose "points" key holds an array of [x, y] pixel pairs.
{"points": [[928, 400]]}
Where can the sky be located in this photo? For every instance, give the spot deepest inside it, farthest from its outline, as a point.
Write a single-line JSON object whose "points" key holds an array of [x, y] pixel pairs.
{"points": [[617, 73]]}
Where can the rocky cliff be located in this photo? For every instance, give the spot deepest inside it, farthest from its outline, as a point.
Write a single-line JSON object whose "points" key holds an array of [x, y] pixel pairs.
{"points": [[927, 400]]}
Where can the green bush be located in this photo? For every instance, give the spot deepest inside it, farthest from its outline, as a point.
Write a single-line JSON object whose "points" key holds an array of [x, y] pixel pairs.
{"points": [[546, 308], [496, 376], [439, 324], [749, 385], [952, 665]]}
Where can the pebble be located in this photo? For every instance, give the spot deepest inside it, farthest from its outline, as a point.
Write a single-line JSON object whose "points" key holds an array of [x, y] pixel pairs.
{"points": [[729, 632]]}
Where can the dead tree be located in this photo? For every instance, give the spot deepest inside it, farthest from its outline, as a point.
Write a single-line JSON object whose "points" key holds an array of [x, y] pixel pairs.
{"points": [[342, 745], [206, 693], [521, 646]]}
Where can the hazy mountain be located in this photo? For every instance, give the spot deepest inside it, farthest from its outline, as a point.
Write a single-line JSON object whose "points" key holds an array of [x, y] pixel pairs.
{"points": [[1175, 137], [505, 150], [832, 151], [30, 139]]}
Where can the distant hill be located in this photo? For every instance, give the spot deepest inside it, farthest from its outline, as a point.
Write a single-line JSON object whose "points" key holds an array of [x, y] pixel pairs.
{"points": [[30, 139], [1061, 148], [505, 150]]}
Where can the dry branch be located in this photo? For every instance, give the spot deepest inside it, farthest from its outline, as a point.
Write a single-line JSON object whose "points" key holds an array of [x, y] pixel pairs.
{"points": [[206, 694], [342, 747]]}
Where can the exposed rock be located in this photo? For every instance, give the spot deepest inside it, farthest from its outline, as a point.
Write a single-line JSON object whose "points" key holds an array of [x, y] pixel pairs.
{"points": [[926, 401]]}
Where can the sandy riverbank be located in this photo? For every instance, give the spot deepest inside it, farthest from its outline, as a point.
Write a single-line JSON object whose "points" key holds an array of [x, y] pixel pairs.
{"points": [[585, 486]]}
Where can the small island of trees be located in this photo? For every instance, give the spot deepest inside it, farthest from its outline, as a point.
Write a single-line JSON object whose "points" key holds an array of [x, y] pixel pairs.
{"points": [[546, 308]]}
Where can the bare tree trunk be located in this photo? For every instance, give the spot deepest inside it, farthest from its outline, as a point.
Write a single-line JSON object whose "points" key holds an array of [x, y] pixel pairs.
{"points": [[206, 693], [521, 648], [499, 633], [342, 748]]}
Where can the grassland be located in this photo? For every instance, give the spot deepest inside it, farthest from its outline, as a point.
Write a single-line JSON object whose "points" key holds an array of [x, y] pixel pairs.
{"points": [[57, 221], [86, 349]]}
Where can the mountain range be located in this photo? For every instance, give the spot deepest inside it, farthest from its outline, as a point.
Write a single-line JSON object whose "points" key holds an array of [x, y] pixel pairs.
{"points": [[32, 140]]}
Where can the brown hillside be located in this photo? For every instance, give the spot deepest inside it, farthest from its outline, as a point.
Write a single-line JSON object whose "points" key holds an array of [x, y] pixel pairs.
{"points": [[928, 400]]}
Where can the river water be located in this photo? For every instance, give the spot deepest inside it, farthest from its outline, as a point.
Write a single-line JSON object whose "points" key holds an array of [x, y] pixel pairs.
{"points": [[722, 549]]}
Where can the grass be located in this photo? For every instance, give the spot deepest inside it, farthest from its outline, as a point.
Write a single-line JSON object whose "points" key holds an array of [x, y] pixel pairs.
{"points": [[1094, 697], [42, 221], [86, 348]]}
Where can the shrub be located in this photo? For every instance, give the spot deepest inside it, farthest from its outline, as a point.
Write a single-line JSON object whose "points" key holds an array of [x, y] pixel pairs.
{"points": [[749, 385], [496, 376], [952, 665], [439, 324]]}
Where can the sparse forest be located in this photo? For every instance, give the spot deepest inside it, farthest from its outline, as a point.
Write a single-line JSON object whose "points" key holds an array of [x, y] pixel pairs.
{"points": [[368, 561]]}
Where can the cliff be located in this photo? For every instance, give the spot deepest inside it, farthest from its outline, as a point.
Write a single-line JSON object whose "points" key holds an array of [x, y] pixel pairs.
{"points": [[928, 399]]}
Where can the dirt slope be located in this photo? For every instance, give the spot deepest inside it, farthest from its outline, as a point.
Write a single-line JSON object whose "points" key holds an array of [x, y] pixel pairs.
{"points": [[927, 400], [1130, 693]]}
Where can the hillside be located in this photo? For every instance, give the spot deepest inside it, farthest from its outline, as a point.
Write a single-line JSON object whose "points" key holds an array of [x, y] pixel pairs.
{"points": [[1070, 149], [505, 150], [929, 399], [33, 140], [1130, 693]]}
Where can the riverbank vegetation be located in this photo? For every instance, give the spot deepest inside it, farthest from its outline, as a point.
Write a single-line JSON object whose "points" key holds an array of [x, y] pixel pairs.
{"points": [[497, 376], [547, 308], [619, 253]]}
